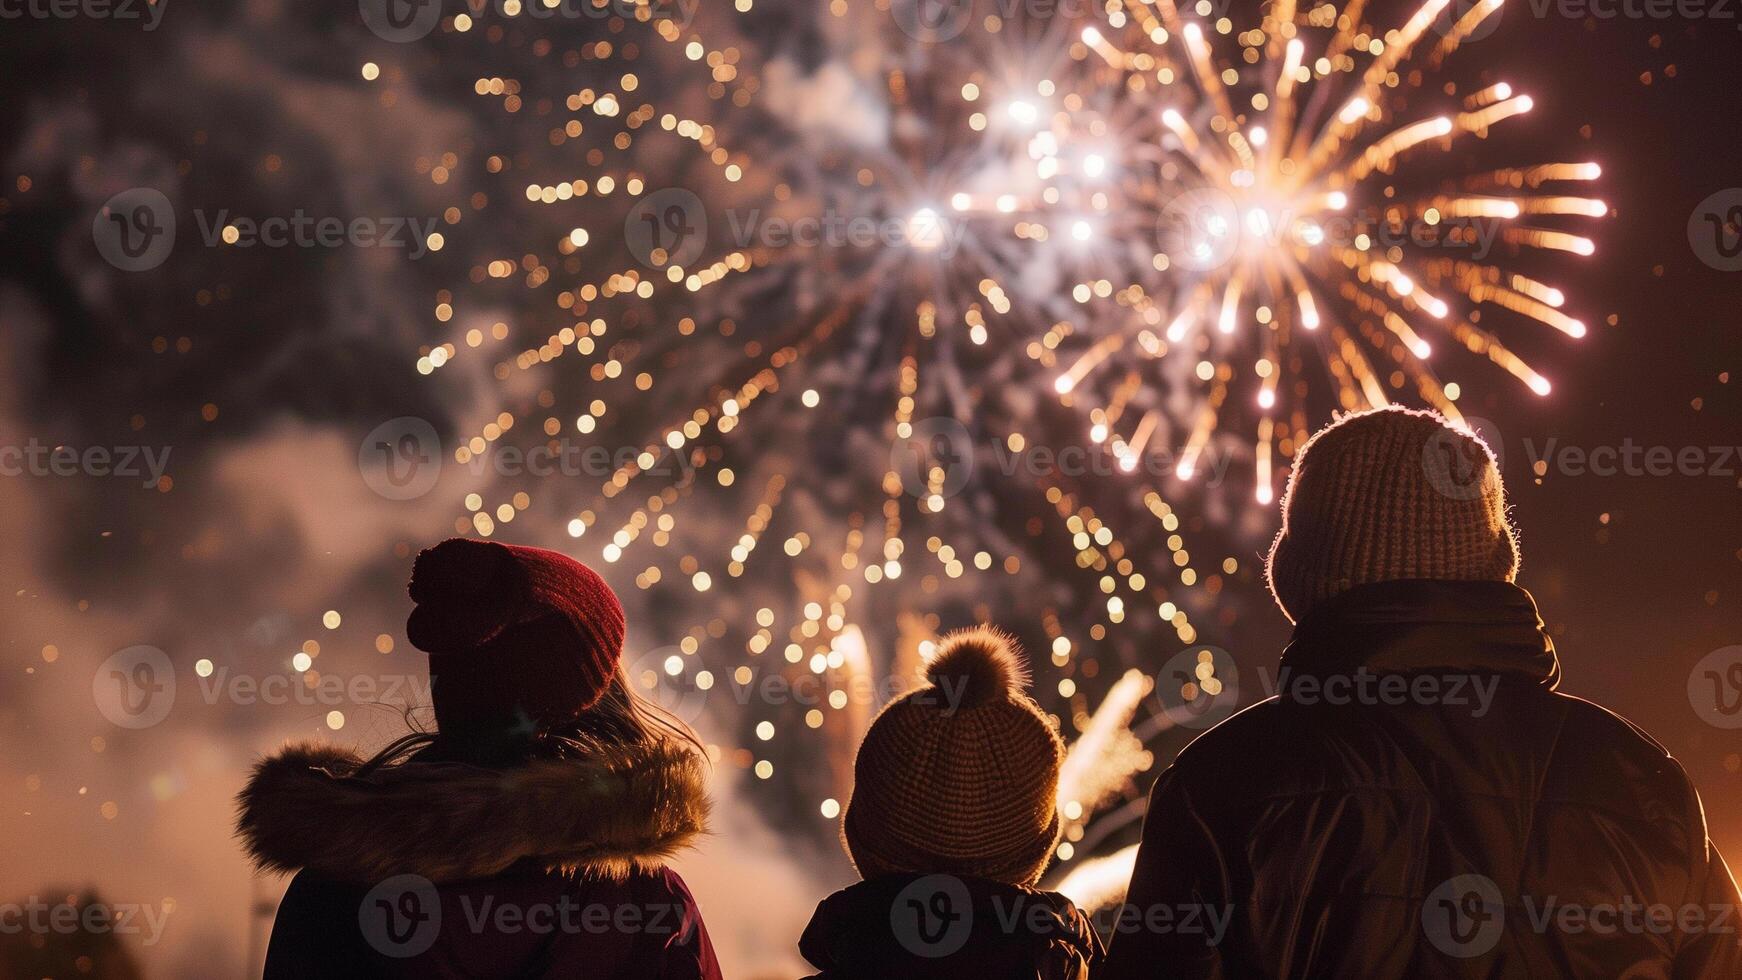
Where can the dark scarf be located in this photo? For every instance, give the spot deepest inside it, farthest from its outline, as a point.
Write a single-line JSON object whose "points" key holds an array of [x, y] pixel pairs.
{"points": [[1415, 626], [877, 929]]}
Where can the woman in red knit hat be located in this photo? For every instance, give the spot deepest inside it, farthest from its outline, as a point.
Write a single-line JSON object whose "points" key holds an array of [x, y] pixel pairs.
{"points": [[527, 836]]}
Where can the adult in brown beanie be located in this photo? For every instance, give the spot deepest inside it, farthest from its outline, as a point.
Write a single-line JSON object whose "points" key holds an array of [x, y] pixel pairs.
{"points": [[1417, 800], [527, 836], [952, 820]]}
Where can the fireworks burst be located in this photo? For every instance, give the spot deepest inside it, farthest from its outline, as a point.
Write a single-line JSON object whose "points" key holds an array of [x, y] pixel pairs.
{"points": [[1247, 218], [826, 312], [875, 356]]}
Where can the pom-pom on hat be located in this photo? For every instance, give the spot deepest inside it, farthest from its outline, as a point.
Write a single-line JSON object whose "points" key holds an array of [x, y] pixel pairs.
{"points": [[959, 776], [514, 634]]}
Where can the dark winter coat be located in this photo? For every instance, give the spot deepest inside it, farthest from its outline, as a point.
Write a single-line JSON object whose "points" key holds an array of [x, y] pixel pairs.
{"points": [[1441, 833], [920, 927], [549, 868]]}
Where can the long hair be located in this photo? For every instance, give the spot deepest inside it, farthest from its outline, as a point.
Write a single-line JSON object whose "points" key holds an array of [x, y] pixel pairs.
{"points": [[621, 717]]}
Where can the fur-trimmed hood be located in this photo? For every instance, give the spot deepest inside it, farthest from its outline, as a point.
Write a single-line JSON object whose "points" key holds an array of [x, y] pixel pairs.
{"points": [[619, 809]]}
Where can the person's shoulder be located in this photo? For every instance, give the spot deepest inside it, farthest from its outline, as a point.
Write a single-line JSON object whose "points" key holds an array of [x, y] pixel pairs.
{"points": [[1250, 734], [312, 888], [663, 888], [1606, 760], [1588, 720]]}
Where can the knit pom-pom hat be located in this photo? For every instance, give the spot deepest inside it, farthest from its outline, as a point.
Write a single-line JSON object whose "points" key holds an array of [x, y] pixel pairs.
{"points": [[959, 776], [515, 635], [1389, 494]]}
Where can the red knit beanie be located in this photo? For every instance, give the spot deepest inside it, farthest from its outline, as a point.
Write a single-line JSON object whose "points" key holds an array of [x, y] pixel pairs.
{"points": [[514, 634], [1387, 494]]}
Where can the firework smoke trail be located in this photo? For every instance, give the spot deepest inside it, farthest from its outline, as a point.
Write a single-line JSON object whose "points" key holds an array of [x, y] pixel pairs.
{"points": [[1099, 882], [1105, 756]]}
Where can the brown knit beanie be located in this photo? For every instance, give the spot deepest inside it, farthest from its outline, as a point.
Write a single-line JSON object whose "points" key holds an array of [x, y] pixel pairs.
{"points": [[959, 776], [1388, 494]]}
